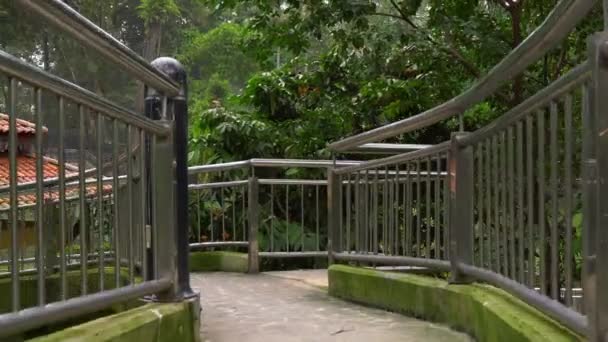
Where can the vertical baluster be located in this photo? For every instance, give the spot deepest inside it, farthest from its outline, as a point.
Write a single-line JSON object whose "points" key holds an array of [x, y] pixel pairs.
{"points": [[530, 201], [143, 181], [510, 223], [427, 209], [389, 212], [496, 192], [223, 210], [406, 207], [479, 198], [287, 216], [357, 212], [154, 229], [211, 227], [418, 217], [302, 216], [271, 217], [520, 200], [376, 213], [233, 197], [385, 207], [115, 191], [197, 193], [541, 200], [341, 204], [396, 237], [554, 204], [130, 220], [100, 206], [409, 204], [82, 204], [62, 204], [504, 205], [14, 199], [348, 209], [488, 199], [568, 197], [446, 211], [436, 238], [244, 211], [40, 248], [366, 215], [317, 212]]}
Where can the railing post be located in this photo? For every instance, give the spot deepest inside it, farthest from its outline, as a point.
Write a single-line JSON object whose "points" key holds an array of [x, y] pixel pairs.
{"points": [[253, 216], [333, 214], [178, 107], [461, 208], [595, 203], [163, 212]]}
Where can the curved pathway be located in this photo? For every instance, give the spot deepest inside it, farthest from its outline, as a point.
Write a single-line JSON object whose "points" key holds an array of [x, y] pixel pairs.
{"points": [[295, 306]]}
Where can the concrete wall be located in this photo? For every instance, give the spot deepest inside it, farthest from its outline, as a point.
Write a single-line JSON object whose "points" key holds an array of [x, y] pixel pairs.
{"points": [[484, 312]]}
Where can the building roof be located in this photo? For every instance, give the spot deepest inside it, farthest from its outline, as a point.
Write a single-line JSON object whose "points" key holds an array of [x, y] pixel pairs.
{"points": [[26, 173], [26, 169], [23, 127]]}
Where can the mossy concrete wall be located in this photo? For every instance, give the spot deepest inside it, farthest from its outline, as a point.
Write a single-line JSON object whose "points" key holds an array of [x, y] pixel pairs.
{"points": [[486, 313], [218, 261], [28, 286], [153, 322]]}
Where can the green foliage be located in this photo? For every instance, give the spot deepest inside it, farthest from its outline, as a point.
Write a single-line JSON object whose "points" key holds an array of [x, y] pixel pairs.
{"points": [[217, 53], [157, 10], [286, 236]]}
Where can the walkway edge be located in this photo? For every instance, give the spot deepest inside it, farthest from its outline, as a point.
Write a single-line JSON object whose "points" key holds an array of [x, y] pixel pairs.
{"points": [[484, 312], [152, 322]]}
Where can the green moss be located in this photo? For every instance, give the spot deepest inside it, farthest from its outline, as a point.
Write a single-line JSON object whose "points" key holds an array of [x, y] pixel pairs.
{"points": [[218, 261], [487, 313], [151, 322]]}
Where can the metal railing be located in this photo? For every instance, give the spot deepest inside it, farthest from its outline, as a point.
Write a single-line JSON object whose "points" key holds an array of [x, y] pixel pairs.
{"points": [[253, 204], [113, 228], [516, 204]]}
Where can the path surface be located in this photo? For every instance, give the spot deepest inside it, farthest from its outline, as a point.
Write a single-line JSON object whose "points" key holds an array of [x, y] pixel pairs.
{"points": [[295, 306]]}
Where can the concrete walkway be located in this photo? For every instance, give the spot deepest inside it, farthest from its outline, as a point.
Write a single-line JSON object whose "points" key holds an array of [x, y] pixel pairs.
{"points": [[295, 306]]}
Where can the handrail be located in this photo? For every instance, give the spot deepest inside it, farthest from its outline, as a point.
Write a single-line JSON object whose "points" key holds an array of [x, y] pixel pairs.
{"points": [[564, 17], [303, 163], [14, 67], [380, 148], [66, 19], [400, 158]]}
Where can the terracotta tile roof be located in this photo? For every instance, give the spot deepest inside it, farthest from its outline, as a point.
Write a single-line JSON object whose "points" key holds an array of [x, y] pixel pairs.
{"points": [[23, 126], [26, 169], [26, 172], [52, 196]]}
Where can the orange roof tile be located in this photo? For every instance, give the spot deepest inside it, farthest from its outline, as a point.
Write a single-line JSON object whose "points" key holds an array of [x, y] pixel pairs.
{"points": [[26, 169], [26, 172], [52, 196], [23, 126]]}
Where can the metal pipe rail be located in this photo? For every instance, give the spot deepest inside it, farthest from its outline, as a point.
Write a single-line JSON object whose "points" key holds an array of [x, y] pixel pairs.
{"points": [[558, 24], [268, 163], [67, 20], [569, 318], [380, 148], [400, 158], [16, 68], [14, 323]]}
